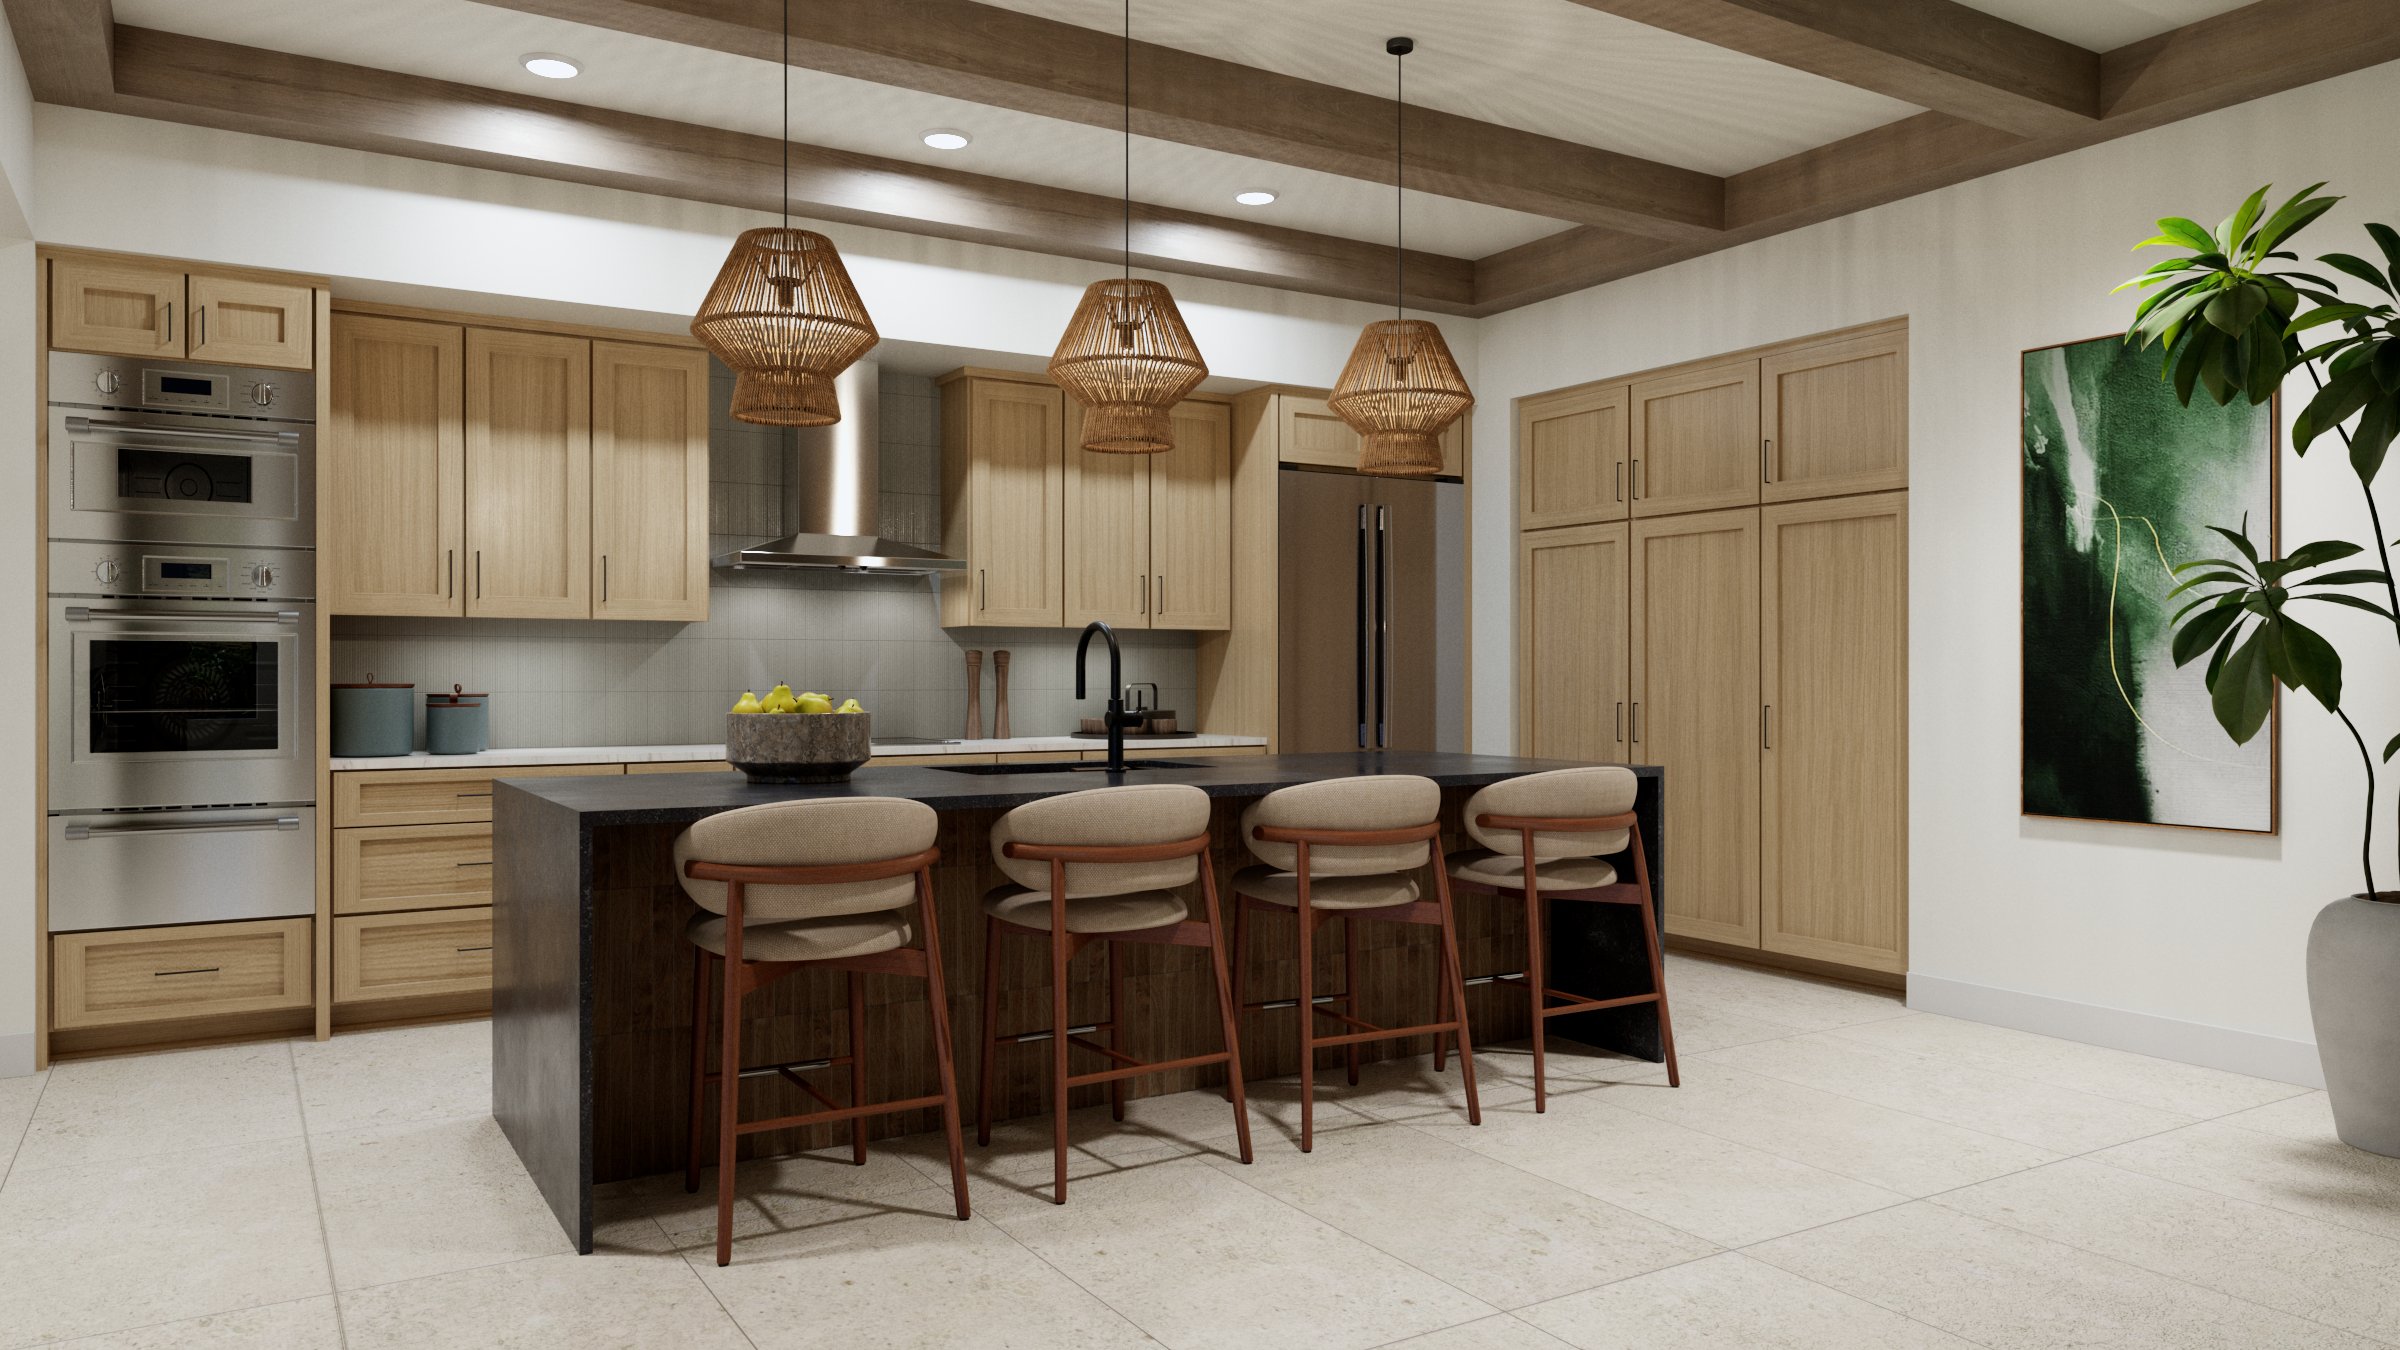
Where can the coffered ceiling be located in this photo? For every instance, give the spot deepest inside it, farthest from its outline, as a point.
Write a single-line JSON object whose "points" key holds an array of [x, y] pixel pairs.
{"points": [[1553, 143]]}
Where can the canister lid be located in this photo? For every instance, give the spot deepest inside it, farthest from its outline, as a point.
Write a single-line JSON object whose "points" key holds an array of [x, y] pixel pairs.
{"points": [[457, 697], [370, 683]]}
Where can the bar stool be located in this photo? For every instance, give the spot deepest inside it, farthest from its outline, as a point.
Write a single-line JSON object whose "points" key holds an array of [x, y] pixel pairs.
{"points": [[810, 885], [1100, 866], [1349, 848], [1568, 821]]}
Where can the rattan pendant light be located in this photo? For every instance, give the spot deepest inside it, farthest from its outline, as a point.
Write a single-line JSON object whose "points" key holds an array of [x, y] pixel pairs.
{"points": [[782, 314], [1126, 356], [1401, 388]]}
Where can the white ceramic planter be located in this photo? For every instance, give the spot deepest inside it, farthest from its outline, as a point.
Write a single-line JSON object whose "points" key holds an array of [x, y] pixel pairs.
{"points": [[2354, 999]]}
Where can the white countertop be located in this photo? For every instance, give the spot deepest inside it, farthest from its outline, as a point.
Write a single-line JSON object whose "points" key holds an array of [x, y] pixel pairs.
{"points": [[671, 754]]}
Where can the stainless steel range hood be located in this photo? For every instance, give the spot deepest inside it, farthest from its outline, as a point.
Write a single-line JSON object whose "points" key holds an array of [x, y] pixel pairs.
{"points": [[832, 497]]}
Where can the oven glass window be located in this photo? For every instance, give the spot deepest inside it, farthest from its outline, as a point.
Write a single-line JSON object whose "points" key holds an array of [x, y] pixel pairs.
{"points": [[152, 696], [182, 476]]}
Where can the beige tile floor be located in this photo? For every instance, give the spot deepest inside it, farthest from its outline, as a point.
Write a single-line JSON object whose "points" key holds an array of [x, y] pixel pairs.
{"points": [[1835, 1171]]}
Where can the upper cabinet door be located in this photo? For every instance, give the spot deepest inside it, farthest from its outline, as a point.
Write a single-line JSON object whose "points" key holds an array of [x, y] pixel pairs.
{"points": [[649, 482], [1108, 521], [395, 466], [529, 475], [1571, 644], [1835, 417], [116, 308], [1695, 710], [1309, 433], [1191, 522], [1573, 451], [252, 323], [1695, 441], [1016, 499], [1834, 663]]}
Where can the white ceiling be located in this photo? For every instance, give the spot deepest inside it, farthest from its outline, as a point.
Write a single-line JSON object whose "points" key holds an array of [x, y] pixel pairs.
{"points": [[479, 45], [2103, 25], [1550, 66]]}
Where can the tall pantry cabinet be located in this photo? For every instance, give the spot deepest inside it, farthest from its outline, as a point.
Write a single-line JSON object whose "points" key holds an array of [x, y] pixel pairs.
{"points": [[1712, 577]]}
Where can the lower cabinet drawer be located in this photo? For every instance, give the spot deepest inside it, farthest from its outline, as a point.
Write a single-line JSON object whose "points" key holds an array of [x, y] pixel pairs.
{"points": [[379, 956], [434, 796], [383, 868], [104, 979]]}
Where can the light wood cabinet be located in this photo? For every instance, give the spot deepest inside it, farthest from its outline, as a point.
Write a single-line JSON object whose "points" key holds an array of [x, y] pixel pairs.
{"points": [[1574, 449], [1003, 503], [395, 526], [1696, 711], [238, 321], [161, 974], [396, 867], [649, 477], [1834, 680], [434, 953], [1573, 636], [1149, 538], [1107, 532], [1834, 416], [128, 307], [529, 475], [433, 796], [1694, 440], [1310, 432]]}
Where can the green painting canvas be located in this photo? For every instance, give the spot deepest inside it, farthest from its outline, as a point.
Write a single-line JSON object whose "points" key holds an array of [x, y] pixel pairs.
{"points": [[2120, 483]]}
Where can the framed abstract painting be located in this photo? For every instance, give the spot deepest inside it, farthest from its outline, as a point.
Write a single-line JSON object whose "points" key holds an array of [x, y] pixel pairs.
{"points": [[2120, 483]]}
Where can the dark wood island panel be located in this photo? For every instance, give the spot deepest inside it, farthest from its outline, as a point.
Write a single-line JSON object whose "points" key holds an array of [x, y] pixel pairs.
{"points": [[591, 1001]]}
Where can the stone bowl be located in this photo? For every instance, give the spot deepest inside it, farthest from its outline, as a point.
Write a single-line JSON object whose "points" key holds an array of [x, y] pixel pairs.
{"points": [[798, 747]]}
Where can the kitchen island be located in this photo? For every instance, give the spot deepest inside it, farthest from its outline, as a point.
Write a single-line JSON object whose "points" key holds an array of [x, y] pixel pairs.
{"points": [[592, 989]]}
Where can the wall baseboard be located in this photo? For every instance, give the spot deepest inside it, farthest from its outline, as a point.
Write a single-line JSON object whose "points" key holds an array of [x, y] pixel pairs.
{"points": [[2248, 1052], [16, 1055]]}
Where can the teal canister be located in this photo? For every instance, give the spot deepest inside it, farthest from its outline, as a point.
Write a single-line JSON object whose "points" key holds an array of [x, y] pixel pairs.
{"points": [[457, 723], [372, 721]]}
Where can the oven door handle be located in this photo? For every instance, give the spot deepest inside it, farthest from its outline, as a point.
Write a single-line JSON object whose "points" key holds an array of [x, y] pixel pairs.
{"points": [[188, 827], [85, 426], [87, 614]]}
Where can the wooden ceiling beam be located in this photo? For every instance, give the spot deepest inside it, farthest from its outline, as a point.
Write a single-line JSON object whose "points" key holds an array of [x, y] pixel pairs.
{"points": [[2262, 48], [64, 45], [1937, 54], [194, 80], [986, 54]]}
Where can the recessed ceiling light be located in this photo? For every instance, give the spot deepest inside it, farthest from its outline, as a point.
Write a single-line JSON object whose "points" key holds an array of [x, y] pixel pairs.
{"points": [[1255, 197], [942, 138], [551, 66]]}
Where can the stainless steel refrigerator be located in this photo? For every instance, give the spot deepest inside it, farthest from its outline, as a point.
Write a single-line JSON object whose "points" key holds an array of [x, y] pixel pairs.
{"points": [[1371, 604]]}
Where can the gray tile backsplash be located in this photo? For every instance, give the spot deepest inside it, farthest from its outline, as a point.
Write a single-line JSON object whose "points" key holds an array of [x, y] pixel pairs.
{"points": [[878, 639]]}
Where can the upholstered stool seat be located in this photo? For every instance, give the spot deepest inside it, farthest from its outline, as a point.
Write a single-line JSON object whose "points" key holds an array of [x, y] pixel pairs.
{"points": [[1283, 888], [1091, 913], [1506, 871], [1106, 865], [807, 939], [1349, 849]]}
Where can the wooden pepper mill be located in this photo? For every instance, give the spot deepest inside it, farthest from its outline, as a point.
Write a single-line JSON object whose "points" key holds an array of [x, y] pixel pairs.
{"points": [[1000, 695], [974, 695]]}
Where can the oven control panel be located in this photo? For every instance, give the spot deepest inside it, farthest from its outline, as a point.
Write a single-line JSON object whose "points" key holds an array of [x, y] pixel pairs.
{"points": [[166, 570], [182, 386]]}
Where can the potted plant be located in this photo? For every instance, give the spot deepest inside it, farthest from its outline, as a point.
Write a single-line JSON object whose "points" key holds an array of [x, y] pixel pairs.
{"points": [[2232, 314]]}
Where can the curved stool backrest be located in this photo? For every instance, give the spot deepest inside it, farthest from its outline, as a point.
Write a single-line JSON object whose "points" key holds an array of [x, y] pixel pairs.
{"points": [[1134, 816], [835, 832], [1370, 804], [1584, 794]]}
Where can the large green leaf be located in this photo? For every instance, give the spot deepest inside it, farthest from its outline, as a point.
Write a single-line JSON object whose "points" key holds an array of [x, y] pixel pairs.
{"points": [[2240, 541], [2204, 632], [2345, 392], [2310, 662], [2292, 217], [2378, 422], [2387, 239], [2320, 553], [2237, 226], [2177, 230], [2358, 267], [2352, 601], [2391, 750], [2234, 309], [2242, 691]]}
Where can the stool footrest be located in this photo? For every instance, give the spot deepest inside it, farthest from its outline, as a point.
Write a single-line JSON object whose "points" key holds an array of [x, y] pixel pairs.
{"points": [[1098, 1049], [1028, 1037], [838, 1114], [1385, 1034], [1076, 1080], [1270, 1004], [1577, 1004]]}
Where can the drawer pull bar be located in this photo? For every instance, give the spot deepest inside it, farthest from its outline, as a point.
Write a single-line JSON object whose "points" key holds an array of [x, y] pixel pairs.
{"points": [[485, 863], [484, 948], [474, 794], [196, 970], [182, 827]]}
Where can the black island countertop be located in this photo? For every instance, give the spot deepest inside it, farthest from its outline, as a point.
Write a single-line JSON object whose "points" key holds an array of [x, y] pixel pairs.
{"points": [[592, 979]]}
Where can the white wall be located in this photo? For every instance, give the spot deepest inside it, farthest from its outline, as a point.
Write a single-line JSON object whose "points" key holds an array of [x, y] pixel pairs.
{"points": [[2193, 942], [19, 615]]}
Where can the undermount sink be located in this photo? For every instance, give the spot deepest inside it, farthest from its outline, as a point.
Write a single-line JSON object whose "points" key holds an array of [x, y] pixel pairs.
{"points": [[1064, 766]]}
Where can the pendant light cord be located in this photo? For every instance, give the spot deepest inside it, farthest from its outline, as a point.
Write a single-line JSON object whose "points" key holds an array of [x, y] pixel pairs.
{"points": [[1128, 138], [787, 114], [1399, 174]]}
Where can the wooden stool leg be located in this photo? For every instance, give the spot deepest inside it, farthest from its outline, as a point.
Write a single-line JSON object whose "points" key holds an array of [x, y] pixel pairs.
{"points": [[1241, 934], [989, 1031], [1350, 991], [1535, 977], [1455, 979], [1116, 1024], [945, 1055], [1441, 1013], [858, 1067], [729, 1074], [699, 1103], [1658, 983], [1228, 1009], [1308, 1017], [1058, 1062]]}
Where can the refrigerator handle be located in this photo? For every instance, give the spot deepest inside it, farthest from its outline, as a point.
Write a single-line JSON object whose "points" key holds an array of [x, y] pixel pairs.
{"points": [[1383, 628], [1358, 631]]}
